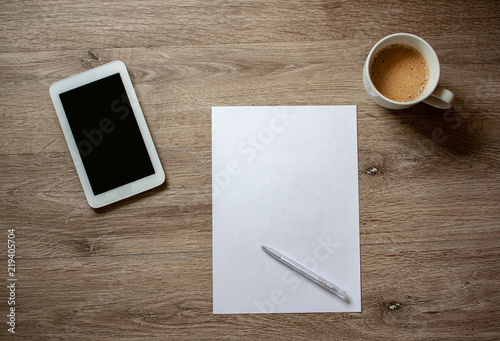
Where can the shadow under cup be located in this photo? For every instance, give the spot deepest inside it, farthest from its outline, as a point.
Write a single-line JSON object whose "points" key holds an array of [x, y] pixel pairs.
{"points": [[426, 51]]}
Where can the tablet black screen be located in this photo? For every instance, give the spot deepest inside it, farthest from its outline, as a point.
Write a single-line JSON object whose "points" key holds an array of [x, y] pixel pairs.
{"points": [[107, 134]]}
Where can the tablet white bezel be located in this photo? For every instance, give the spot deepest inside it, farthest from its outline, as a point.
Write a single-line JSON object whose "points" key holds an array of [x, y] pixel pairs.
{"points": [[126, 190]]}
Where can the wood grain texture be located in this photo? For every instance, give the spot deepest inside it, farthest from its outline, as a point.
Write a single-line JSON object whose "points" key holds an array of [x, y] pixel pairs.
{"points": [[141, 269]]}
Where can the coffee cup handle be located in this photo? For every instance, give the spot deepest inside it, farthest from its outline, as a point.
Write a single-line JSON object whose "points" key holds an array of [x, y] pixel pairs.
{"points": [[441, 98]]}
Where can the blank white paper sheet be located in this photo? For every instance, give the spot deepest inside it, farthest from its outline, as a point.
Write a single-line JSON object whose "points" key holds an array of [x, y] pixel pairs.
{"points": [[285, 177]]}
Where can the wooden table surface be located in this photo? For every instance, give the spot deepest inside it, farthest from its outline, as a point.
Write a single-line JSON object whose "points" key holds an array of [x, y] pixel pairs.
{"points": [[429, 179]]}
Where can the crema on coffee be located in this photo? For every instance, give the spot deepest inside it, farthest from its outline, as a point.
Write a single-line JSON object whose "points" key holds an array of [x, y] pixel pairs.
{"points": [[399, 72]]}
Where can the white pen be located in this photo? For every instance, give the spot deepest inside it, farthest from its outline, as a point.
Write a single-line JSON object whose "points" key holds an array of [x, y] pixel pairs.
{"points": [[306, 272]]}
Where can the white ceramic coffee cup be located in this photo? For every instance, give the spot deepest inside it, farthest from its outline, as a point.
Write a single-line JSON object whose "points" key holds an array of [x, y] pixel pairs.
{"points": [[434, 95]]}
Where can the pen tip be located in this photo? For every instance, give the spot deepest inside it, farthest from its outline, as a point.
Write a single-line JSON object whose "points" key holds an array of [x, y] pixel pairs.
{"points": [[265, 248]]}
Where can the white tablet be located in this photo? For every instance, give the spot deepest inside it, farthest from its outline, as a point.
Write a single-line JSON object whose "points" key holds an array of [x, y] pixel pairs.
{"points": [[107, 134]]}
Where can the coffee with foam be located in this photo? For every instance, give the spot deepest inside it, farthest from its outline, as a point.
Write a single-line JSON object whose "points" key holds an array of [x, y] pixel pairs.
{"points": [[399, 72]]}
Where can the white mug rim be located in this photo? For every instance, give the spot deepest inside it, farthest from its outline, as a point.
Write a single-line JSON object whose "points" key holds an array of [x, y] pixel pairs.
{"points": [[430, 87]]}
